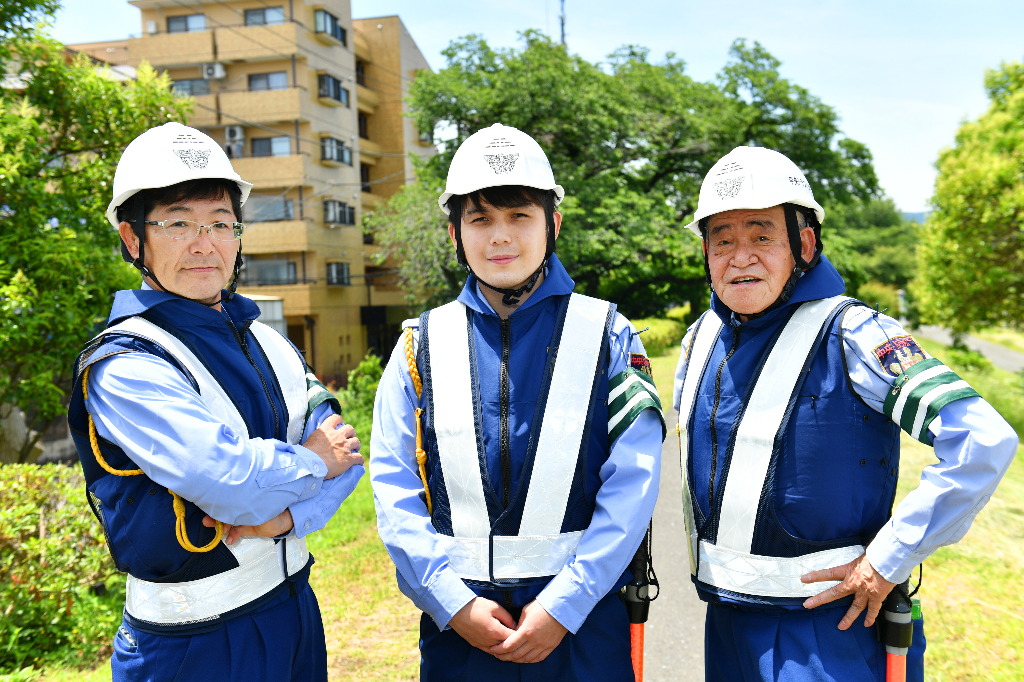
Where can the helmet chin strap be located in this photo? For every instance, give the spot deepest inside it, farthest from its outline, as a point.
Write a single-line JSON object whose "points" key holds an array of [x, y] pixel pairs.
{"points": [[512, 297]]}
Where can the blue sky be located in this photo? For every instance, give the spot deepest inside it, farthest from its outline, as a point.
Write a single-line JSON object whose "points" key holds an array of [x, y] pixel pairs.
{"points": [[902, 75]]}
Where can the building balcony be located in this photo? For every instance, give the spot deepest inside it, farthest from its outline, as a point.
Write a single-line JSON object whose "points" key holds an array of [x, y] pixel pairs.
{"points": [[362, 47], [369, 148], [297, 297], [368, 100], [273, 172], [167, 50], [283, 236], [370, 201], [263, 106], [203, 117], [254, 43]]}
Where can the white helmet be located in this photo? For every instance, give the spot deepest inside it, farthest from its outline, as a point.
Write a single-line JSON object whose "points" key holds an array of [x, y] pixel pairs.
{"points": [[753, 177], [166, 155], [498, 156]]}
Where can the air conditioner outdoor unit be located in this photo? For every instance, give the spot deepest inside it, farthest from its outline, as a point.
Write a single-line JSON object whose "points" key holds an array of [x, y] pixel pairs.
{"points": [[213, 71], [234, 133]]}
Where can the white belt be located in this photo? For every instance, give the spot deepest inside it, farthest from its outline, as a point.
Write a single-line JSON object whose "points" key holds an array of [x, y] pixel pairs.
{"points": [[515, 556], [262, 566], [767, 576]]}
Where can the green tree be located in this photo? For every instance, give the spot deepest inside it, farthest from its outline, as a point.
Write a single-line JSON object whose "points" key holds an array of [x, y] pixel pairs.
{"points": [[357, 399], [60, 138], [630, 141], [971, 256]]}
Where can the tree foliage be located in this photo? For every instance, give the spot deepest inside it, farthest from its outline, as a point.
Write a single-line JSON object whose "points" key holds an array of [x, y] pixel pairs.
{"points": [[971, 256], [630, 140], [60, 139]]}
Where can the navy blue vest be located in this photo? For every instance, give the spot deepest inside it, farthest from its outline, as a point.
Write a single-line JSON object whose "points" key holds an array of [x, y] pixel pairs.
{"points": [[832, 477], [136, 513]]}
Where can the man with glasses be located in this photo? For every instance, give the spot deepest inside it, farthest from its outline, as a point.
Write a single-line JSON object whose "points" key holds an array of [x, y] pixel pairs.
{"points": [[188, 415]]}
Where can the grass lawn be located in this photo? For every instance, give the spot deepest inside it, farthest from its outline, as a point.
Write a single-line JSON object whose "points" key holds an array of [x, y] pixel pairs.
{"points": [[1013, 340], [973, 592]]}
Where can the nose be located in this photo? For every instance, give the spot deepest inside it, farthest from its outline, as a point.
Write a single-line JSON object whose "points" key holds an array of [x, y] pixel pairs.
{"points": [[203, 243]]}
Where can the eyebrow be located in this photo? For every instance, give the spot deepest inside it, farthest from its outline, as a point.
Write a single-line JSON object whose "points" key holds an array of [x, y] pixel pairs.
{"points": [[760, 223], [183, 207]]}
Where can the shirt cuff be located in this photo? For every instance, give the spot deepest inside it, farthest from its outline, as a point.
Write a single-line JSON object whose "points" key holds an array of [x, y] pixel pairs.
{"points": [[310, 514], [314, 480], [891, 558], [445, 596], [565, 602]]}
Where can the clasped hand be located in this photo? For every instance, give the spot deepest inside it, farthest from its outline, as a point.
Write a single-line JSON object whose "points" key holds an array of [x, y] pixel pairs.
{"points": [[858, 578], [336, 444], [488, 627]]}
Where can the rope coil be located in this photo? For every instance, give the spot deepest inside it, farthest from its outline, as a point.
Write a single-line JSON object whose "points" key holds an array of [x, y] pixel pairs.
{"points": [[179, 504], [417, 382]]}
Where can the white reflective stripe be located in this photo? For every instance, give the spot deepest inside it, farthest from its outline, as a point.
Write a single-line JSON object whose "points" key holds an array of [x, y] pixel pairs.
{"points": [[626, 408], [706, 335], [454, 423], [291, 376], [908, 388], [533, 556], [926, 400], [762, 419], [258, 572], [565, 416], [468, 557], [769, 576], [210, 390], [622, 388]]}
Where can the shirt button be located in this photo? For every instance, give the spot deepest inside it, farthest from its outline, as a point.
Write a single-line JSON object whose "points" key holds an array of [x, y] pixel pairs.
{"points": [[313, 487], [306, 526], [316, 468]]}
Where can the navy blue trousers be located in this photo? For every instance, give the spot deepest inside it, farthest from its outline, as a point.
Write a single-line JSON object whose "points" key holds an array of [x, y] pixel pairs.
{"points": [[797, 646], [281, 641], [599, 651]]}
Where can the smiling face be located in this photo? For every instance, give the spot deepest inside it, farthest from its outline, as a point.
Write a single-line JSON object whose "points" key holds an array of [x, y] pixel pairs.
{"points": [[504, 246], [750, 258], [196, 268]]}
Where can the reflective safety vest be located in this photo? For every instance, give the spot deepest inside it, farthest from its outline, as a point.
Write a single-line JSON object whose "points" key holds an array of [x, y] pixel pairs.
{"points": [[538, 532], [722, 548], [222, 582]]}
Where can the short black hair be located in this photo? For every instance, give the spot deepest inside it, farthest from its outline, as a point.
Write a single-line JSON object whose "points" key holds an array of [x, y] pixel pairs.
{"points": [[202, 189], [504, 196]]}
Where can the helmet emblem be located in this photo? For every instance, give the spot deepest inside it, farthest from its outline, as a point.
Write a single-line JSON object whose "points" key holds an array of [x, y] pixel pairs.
{"points": [[728, 189], [196, 159], [800, 182], [501, 164]]}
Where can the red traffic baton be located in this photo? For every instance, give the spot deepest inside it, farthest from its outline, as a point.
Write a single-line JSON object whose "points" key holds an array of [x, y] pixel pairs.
{"points": [[895, 629], [636, 597]]}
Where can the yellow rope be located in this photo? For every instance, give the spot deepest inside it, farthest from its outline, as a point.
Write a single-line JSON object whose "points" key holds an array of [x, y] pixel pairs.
{"points": [[179, 505], [421, 456]]}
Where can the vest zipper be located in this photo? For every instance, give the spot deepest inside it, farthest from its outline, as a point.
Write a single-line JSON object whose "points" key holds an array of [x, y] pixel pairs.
{"points": [[714, 416], [506, 453], [245, 349]]}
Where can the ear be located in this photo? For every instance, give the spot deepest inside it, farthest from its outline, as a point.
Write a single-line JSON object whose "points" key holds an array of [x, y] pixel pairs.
{"points": [[558, 223], [129, 238], [451, 236], [807, 244]]}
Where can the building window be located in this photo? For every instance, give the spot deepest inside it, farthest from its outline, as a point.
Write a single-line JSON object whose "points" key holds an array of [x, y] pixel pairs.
{"points": [[264, 208], [269, 271], [337, 273], [335, 150], [360, 72], [327, 24], [186, 24], [191, 88], [339, 213], [268, 81], [330, 87], [264, 16], [272, 146], [364, 124], [364, 177]]}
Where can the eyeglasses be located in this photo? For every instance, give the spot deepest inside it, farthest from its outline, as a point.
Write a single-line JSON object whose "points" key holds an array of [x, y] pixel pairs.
{"points": [[189, 229]]}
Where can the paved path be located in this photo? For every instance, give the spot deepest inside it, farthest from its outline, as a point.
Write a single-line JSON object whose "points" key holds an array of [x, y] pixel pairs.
{"points": [[674, 635], [1001, 356]]}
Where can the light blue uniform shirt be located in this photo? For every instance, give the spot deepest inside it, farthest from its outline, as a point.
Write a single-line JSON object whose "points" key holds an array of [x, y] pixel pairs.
{"points": [[625, 502], [149, 409], [973, 443]]}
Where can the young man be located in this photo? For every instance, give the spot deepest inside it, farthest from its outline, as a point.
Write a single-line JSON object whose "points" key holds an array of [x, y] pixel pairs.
{"points": [[516, 443], [791, 398], [187, 415]]}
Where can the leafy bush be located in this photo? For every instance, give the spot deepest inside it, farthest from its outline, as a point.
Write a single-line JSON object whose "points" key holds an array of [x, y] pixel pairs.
{"points": [[51, 552], [663, 335], [882, 295], [965, 359], [357, 400]]}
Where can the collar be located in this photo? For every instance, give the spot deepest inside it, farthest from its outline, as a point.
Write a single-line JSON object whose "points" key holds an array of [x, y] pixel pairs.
{"points": [[183, 312], [821, 281], [557, 282]]}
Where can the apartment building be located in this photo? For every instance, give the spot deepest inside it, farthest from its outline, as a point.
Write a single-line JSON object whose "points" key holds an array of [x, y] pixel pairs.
{"points": [[309, 109]]}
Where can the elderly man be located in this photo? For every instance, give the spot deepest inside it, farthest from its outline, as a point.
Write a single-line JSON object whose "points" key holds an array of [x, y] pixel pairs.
{"points": [[188, 416], [791, 398]]}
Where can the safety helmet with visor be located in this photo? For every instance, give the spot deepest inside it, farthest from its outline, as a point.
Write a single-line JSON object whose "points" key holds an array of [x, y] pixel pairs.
{"points": [[164, 156], [499, 156]]}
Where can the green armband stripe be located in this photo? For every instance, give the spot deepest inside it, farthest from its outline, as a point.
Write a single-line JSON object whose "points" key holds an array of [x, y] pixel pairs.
{"points": [[317, 394], [630, 393], [918, 394]]}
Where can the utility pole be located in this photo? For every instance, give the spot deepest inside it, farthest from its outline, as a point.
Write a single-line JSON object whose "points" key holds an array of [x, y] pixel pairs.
{"points": [[561, 19]]}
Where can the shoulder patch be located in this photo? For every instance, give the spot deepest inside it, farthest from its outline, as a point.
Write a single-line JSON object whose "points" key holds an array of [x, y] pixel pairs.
{"points": [[630, 392], [640, 363], [899, 354]]}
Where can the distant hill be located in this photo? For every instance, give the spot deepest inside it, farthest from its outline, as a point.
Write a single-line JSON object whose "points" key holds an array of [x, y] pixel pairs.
{"points": [[916, 217]]}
